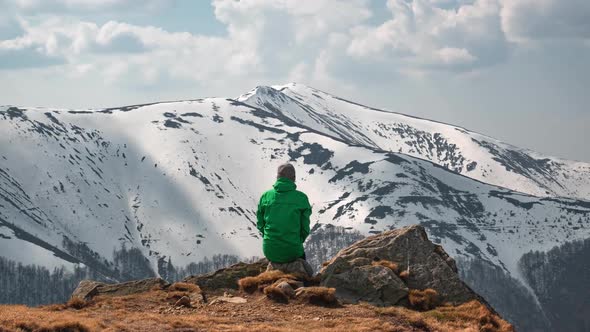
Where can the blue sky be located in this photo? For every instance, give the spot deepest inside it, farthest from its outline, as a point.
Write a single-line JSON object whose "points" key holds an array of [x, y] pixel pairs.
{"points": [[517, 70]]}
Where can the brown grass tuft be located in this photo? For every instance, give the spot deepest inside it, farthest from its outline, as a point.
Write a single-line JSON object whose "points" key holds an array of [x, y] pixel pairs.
{"points": [[276, 294], [251, 284], [174, 296], [389, 264], [77, 303], [185, 287], [65, 326], [419, 323], [404, 274], [488, 322], [470, 316], [426, 299], [321, 296]]}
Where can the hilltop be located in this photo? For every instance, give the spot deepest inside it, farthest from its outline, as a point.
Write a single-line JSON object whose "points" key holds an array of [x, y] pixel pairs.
{"points": [[360, 289], [152, 311]]}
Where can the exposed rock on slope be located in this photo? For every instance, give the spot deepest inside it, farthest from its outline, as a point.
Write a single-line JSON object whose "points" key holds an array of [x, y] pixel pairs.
{"points": [[152, 305], [228, 277], [88, 289], [356, 277]]}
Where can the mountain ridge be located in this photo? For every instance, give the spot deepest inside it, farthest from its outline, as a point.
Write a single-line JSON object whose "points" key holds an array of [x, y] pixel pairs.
{"points": [[546, 176], [178, 182]]}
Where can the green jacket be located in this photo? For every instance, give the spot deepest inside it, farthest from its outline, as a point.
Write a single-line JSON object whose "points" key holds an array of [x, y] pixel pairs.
{"points": [[283, 219]]}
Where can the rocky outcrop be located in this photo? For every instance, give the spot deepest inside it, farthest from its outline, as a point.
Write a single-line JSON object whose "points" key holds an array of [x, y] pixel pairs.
{"points": [[374, 284], [299, 267], [384, 269], [88, 289], [228, 278], [423, 265]]}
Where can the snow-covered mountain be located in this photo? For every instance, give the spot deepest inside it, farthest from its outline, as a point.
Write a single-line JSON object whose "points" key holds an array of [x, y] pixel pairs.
{"points": [[474, 155], [180, 181]]}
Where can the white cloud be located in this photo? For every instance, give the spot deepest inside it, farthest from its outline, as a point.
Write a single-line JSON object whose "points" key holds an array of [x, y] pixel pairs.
{"points": [[434, 34], [272, 41], [530, 20], [451, 55]]}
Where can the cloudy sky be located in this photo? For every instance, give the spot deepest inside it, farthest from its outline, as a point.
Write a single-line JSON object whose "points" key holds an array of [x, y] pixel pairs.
{"points": [[518, 70]]}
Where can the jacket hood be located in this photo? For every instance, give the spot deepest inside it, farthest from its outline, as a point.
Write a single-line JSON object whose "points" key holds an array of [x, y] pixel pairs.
{"points": [[284, 184]]}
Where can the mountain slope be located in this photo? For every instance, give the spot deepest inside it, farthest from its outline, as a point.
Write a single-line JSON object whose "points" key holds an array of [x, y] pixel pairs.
{"points": [[474, 155], [179, 182]]}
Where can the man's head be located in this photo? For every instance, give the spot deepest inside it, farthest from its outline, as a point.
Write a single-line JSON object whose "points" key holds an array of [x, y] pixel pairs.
{"points": [[286, 171]]}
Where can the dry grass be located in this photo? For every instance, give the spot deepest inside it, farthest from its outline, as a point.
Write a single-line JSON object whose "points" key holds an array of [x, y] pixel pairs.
{"points": [[426, 299], [77, 303], [276, 294], [389, 264], [184, 287], [470, 317], [321, 296], [252, 284], [173, 296], [404, 275], [151, 311]]}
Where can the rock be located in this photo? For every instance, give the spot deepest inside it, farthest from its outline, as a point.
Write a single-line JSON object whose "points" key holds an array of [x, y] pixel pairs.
{"points": [[295, 284], [228, 278], [197, 298], [286, 288], [299, 267], [355, 279], [132, 287], [88, 289], [232, 299], [322, 296], [374, 284], [184, 301], [360, 261]]}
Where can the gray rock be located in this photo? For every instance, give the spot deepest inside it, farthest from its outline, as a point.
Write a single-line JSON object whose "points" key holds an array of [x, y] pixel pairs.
{"points": [[360, 261], [132, 287], [88, 289], [286, 288], [299, 267], [374, 284], [355, 279], [228, 278], [228, 299]]}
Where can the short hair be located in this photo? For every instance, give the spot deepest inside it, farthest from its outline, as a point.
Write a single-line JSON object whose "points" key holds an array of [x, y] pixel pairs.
{"points": [[286, 171]]}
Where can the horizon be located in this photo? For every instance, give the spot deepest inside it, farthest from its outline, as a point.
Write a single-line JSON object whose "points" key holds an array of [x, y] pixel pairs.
{"points": [[510, 69]]}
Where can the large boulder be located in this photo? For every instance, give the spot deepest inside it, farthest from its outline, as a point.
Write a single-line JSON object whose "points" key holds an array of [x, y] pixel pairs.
{"points": [[87, 289], [374, 284], [299, 268], [228, 278], [356, 278]]}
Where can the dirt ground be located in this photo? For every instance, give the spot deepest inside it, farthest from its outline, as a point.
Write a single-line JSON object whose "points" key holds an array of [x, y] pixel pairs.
{"points": [[156, 311]]}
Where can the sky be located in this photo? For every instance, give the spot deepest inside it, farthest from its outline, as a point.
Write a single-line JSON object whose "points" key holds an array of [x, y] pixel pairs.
{"points": [[516, 70]]}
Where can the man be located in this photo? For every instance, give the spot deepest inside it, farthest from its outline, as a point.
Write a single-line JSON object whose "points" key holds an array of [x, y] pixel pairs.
{"points": [[283, 219]]}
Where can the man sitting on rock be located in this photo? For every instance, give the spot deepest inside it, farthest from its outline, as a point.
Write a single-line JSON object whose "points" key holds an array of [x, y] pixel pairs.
{"points": [[283, 219]]}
